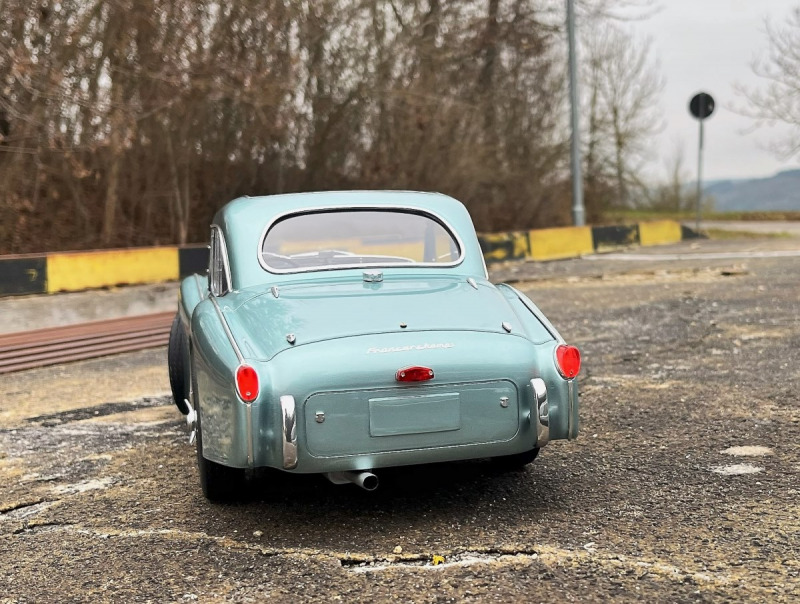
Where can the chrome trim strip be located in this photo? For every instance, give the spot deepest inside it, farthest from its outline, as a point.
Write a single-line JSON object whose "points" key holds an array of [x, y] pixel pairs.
{"points": [[227, 329], [472, 282], [387, 208], [248, 415], [289, 423], [541, 411], [534, 310], [571, 407], [225, 262], [485, 270]]}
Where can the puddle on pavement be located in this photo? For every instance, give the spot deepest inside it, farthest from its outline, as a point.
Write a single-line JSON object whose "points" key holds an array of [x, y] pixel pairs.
{"points": [[82, 487], [748, 451], [736, 469]]}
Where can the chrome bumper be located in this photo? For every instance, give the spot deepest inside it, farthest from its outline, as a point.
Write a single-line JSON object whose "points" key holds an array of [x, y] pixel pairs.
{"points": [[540, 413]]}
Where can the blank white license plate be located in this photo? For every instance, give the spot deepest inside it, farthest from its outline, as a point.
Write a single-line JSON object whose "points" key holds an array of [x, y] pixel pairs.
{"points": [[391, 416]]}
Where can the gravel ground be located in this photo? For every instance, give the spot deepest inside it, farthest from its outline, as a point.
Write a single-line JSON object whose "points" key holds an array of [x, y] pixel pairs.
{"points": [[683, 485]]}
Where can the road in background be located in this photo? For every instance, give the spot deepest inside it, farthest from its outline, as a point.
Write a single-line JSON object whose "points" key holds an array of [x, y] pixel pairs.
{"points": [[684, 483], [752, 226]]}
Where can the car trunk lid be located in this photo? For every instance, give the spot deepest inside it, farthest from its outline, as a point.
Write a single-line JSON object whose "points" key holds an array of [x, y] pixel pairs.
{"points": [[272, 321]]}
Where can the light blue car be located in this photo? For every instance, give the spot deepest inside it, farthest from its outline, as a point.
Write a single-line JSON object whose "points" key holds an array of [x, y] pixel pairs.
{"points": [[341, 333]]}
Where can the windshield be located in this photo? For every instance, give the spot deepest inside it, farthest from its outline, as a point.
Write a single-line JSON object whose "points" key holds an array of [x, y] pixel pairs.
{"points": [[350, 238]]}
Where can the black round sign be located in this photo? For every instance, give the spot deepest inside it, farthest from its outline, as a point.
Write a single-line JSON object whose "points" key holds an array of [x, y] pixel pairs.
{"points": [[701, 105]]}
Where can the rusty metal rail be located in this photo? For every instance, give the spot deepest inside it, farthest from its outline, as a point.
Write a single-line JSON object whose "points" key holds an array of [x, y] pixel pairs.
{"points": [[28, 349]]}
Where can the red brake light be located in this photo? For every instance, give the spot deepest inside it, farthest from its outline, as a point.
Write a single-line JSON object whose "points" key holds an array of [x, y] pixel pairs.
{"points": [[247, 383], [414, 374], [568, 360]]}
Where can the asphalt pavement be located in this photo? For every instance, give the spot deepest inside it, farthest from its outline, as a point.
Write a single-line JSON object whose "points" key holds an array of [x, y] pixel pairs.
{"points": [[684, 484]]}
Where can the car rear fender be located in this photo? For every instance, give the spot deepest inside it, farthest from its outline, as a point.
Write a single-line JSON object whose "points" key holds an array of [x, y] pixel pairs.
{"points": [[562, 396], [194, 289], [226, 421]]}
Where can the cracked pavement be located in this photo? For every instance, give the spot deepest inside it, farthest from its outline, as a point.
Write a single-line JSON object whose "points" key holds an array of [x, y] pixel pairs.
{"points": [[682, 486]]}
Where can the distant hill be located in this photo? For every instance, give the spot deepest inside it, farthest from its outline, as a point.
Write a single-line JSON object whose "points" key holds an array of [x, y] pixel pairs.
{"points": [[779, 192]]}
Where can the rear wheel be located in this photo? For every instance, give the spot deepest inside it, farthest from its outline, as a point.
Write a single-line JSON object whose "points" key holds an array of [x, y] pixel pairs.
{"points": [[517, 461], [177, 371]]}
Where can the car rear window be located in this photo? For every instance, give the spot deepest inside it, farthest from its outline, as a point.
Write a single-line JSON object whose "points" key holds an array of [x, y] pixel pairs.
{"points": [[332, 239]]}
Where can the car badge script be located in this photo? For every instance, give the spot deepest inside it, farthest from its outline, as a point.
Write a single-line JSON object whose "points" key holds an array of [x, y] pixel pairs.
{"points": [[426, 346]]}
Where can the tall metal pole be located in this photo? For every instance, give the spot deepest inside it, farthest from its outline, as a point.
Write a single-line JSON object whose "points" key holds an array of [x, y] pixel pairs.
{"points": [[578, 210], [699, 200], [701, 106]]}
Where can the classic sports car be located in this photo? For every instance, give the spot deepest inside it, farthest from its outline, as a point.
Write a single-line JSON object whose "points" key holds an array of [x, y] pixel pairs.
{"points": [[340, 333]]}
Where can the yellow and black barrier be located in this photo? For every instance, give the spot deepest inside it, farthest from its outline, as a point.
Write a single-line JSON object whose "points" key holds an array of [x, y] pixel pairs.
{"points": [[565, 242], [572, 242], [20, 275], [75, 271], [498, 247]]}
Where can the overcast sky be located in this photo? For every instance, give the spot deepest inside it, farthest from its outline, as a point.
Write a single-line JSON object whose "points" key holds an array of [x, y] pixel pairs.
{"points": [[709, 45]]}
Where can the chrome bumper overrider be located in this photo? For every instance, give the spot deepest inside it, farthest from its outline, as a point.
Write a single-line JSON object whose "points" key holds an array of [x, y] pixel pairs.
{"points": [[540, 413], [191, 421], [289, 422]]}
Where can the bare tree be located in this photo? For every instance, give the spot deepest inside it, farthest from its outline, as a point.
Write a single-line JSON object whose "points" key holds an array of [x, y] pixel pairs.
{"points": [[616, 10], [622, 85], [778, 100], [129, 122], [672, 194]]}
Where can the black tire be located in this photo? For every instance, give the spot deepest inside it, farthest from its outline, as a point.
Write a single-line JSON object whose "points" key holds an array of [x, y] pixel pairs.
{"points": [[177, 371], [219, 483], [507, 463]]}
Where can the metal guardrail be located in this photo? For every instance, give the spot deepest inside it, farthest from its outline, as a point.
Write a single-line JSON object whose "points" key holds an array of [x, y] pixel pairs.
{"points": [[53, 345]]}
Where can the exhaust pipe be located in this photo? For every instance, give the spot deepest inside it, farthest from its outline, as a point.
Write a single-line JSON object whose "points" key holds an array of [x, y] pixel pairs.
{"points": [[366, 480]]}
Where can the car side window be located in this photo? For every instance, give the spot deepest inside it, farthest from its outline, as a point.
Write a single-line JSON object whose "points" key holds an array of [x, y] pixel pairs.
{"points": [[218, 273]]}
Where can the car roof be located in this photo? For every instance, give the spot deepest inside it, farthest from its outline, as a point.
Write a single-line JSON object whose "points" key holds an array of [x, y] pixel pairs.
{"points": [[244, 220]]}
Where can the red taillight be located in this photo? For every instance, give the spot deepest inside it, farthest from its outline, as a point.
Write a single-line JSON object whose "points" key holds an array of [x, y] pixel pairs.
{"points": [[247, 383], [414, 374], [568, 359]]}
